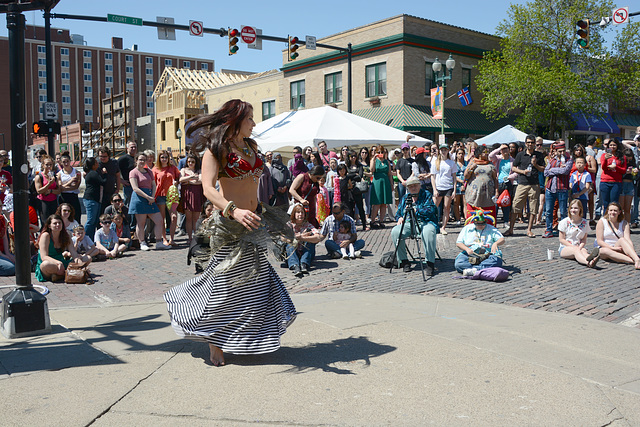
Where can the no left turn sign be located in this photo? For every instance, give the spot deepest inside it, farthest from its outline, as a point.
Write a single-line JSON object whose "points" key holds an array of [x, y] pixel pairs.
{"points": [[195, 28], [620, 15]]}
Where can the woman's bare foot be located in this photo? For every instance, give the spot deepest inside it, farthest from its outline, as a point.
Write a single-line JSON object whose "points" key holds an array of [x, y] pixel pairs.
{"points": [[216, 357], [637, 264]]}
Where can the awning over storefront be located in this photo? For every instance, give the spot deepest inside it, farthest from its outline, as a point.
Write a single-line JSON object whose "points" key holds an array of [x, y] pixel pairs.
{"points": [[596, 123], [625, 119], [418, 118]]}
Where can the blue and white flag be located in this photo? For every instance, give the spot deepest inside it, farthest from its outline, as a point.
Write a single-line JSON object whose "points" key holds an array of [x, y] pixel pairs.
{"points": [[465, 96]]}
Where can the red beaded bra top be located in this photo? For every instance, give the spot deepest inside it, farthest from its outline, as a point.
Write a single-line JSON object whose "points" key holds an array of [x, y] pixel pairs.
{"points": [[239, 168]]}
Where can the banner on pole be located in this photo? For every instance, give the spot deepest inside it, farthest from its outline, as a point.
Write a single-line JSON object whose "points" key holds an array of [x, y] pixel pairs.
{"points": [[436, 103]]}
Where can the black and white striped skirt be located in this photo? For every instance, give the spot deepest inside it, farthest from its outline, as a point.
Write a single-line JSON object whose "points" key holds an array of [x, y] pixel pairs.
{"points": [[247, 318]]}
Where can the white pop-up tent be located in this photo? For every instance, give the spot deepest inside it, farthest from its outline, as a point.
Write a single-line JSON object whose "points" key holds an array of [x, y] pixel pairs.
{"points": [[505, 135], [335, 127]]}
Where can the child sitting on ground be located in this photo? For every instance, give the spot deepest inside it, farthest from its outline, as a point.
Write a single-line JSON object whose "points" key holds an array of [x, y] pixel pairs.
{"points": [[122, 230], [107, 240], [82, 243], [344, 233]]}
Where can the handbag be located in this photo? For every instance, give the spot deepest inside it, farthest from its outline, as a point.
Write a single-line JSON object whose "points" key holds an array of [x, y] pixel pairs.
{"points": [[77, 272], [504, 199], [387, 260], [362, 185]]}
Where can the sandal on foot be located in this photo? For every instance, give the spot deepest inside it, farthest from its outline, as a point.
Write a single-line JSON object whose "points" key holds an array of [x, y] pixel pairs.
{"points": [[507, 233], [530, 234], [594, 254]]}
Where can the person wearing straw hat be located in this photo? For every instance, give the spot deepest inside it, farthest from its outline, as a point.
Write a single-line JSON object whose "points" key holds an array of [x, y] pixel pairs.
{"points": [[480, 244]]}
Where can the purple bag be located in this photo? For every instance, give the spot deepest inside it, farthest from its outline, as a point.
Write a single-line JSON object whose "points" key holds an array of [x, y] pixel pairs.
{"points": [[492, 274]]}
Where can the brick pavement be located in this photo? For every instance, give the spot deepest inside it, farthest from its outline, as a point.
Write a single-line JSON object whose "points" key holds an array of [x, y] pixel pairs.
{"points": [[611, 292]]}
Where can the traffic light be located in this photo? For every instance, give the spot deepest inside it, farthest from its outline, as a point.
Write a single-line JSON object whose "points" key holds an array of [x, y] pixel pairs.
{"points": [[233, 41], [292, 48], [41, 127], [583, 33], [45, 127]]}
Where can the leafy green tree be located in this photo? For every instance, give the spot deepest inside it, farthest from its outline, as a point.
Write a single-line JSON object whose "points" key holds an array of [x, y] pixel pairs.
{"points": [[542, 75]]}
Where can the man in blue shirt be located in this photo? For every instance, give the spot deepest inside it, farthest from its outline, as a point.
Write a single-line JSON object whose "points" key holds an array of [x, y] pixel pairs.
{"points": [[331, 226], [427, 216], [479, 242]]}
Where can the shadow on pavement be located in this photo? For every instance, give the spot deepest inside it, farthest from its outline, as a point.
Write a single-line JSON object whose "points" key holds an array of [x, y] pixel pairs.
{"points": [[338, 356]]}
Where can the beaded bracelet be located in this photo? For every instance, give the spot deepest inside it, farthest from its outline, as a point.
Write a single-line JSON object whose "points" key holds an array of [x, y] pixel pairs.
{"points": [[231, 206]]}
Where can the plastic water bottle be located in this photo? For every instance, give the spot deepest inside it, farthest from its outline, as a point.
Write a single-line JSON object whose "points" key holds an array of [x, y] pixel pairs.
{"points": [[529, 168]]}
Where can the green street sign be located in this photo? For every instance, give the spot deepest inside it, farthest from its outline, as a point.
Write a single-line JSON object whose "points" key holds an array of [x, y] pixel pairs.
{"points": [[124, 19]]}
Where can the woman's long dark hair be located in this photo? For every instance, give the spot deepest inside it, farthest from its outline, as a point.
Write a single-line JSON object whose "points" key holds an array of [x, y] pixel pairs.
{"points": [[422, 161], [583, 152], [367, 159], [618, 153], [65, 239], [89, 162], [213, 131]]}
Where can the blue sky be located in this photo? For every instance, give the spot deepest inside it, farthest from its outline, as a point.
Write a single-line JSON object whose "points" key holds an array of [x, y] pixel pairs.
{"points": [[275, 18]]}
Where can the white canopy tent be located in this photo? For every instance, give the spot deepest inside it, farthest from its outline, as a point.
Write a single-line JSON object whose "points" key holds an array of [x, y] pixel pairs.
{"points": [[335, 127], [506, 135]]}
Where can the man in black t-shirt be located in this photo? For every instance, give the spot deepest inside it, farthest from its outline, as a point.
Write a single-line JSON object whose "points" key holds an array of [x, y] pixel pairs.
{"points": [[127, 162], [527, 165], [403, 169], [110, 168]]}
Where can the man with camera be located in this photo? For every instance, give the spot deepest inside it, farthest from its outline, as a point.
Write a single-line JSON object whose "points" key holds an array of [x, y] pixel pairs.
{"points": [[421, 201], [479, 243]]}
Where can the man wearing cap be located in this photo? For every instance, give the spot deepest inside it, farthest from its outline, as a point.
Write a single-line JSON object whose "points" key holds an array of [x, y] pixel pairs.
{"points": [[403, 169], [479, 242], [427, 216], [557, 188]]}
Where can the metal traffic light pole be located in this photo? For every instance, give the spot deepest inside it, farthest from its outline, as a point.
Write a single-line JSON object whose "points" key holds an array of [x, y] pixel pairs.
{"points": [[222, 32]]}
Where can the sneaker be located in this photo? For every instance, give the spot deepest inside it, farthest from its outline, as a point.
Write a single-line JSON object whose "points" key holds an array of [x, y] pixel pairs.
{"points": [[144, 247], [296, 271], [335, 255], [161, 246], [430, 268], [406, 266], [304, 268], [345, 256], [458, 223], [180, 233], [469, 272], [358, 254], [352, 256], [547, 235]]}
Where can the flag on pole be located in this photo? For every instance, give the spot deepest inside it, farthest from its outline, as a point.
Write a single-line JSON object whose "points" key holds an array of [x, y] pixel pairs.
{"points": [[436, 103], [465, 96]]}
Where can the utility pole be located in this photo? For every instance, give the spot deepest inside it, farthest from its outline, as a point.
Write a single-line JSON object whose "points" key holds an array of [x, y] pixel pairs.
{"points": [[49, 69]]}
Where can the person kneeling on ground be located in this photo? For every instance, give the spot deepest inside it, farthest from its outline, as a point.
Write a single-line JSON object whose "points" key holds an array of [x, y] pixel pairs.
{"points": [[427, 215], [479, 241], [331, 226], [56, 251]]}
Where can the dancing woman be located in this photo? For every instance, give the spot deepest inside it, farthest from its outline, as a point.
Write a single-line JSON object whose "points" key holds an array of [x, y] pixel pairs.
{"points": [[239, 304]]}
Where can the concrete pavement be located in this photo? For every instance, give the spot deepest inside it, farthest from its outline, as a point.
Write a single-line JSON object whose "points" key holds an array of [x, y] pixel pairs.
{"points": [[349, 359]]}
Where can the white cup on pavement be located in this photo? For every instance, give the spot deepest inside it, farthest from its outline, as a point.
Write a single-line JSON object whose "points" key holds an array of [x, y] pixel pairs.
{"points": [[549, 254]]}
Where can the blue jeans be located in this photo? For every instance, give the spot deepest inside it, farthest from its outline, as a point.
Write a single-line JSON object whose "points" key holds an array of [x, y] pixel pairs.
{"points": [[334, 247], [7, 268], [635, 211], [296, 258], [427, 234], [93, 214], [401, 190], [462, 262], [609, 192], [127, 190], [549, 200]]}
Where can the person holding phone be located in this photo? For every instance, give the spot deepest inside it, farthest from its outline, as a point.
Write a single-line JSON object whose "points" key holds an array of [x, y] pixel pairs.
{"points": [[614, 166], [48, 188]]}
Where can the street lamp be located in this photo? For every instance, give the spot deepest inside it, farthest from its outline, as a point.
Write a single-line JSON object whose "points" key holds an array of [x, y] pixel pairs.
{"points": [[437, 68], [179, 135]]}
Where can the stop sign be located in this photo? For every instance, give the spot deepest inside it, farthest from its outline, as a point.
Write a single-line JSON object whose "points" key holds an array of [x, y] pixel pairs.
{"points": [[248, 34]]}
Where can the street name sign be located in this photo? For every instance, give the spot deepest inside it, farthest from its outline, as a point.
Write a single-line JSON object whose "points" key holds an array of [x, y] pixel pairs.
{"points": [[124, 19]]}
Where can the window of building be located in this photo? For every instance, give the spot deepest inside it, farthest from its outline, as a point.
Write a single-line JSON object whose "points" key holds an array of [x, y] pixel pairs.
{"points": [[43, 73], [108, 79], [168, 62], [163, 130], [88, 101], [66, 88], [66, 76], [41, 48], [108, 56], [86, 53], [42, 98], [149, 104], [376, 80], [88, 112], [42, 61], [149, 60], [149, 93], [466, 77], [205, 66], [88, 89], [42, 86], [128, 69], [186, 64], [107, 90], [268, 109], [429, 78], [297, 95], [108, 67], [64, 63], [128, 58], [87, 77], [333, 88], [149, 71], [64, 51], [66, 100], [129, 81], [86, 65], [66, 111], [149, 82]]}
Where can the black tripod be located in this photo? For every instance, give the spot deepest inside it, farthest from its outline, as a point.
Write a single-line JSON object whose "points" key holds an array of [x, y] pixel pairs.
{"points": [[410, 215]]}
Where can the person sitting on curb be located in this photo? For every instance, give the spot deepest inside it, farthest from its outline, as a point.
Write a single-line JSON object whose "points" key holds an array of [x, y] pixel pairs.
{"points": [[479, 241], [427, 215], [331, 225]]}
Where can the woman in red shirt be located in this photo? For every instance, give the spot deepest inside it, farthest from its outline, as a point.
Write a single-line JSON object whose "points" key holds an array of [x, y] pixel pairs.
{"points": [[614, 165], [165, 174]]}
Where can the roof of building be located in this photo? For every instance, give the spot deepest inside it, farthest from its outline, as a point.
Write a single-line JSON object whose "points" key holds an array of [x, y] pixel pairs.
{"points": [[187, 79]]}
